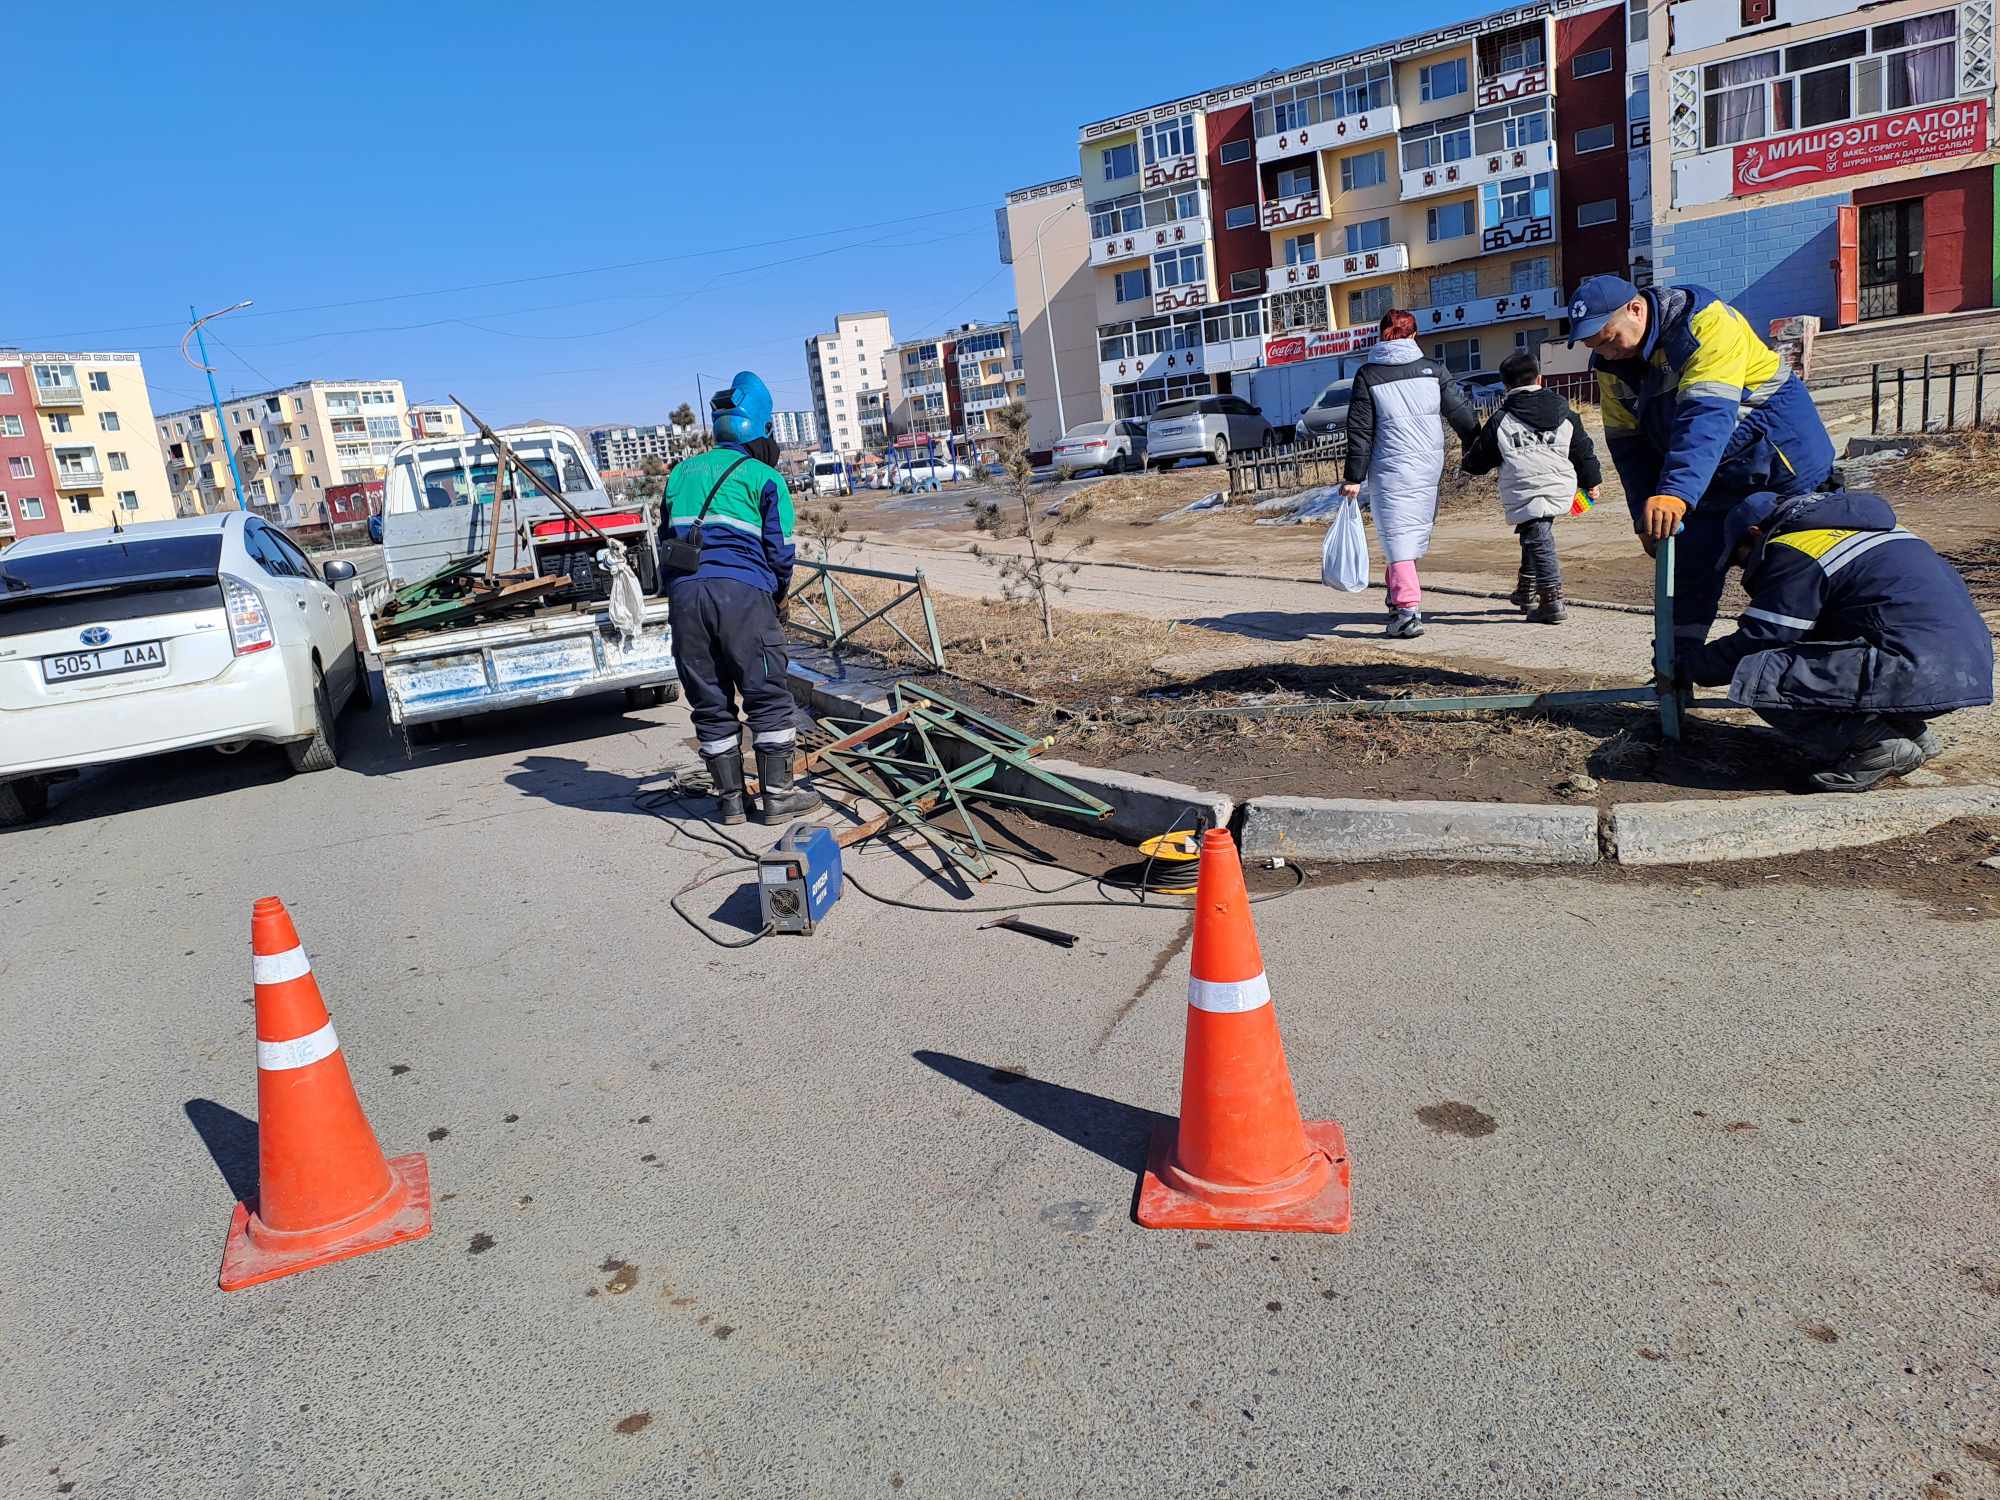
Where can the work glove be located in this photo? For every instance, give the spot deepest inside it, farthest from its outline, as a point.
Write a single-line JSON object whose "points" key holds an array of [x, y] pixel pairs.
{"points": [[1663, 517]]}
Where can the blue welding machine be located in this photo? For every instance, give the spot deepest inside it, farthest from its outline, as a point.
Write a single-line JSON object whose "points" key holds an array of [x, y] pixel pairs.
{"points": [[799, 880]]}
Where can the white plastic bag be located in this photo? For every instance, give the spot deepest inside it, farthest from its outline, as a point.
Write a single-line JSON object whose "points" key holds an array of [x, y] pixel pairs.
{"points": [[1343, 561]]}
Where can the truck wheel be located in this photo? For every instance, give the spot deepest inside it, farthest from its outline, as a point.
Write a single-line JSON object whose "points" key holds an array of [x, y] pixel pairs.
{"points": [[320, 752], [644, 697], [23, 801]]}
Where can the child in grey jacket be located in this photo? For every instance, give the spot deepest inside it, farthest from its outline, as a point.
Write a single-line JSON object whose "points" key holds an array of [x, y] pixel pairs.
{"points": [[1544, 456]]}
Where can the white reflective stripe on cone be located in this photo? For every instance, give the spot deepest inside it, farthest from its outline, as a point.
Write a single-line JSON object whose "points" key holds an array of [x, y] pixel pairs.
{"points": [[300, 1051], [276, 968], [1228, 995]]}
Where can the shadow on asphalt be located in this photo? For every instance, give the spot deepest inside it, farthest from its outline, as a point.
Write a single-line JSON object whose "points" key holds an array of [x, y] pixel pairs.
{"points": [[231, 1140], [1117, 1132]]}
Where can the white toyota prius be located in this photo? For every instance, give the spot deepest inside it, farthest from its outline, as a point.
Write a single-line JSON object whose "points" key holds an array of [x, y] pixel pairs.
{"points": [[204, 631]]}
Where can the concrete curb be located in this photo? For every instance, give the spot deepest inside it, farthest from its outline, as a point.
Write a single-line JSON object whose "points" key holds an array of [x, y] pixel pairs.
{"points": [[1361, 831], [1679, 833]]}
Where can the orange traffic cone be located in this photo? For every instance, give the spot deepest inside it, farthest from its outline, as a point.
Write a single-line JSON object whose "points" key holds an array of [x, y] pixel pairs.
{"points": [[1239, 1157], [324, 1192]]}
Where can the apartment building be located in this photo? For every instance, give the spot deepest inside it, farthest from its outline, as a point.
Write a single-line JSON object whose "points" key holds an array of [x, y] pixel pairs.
{"points": [[875, 407], [1045, 236], [991, 373], [795, 429], [630, 447], [1823, 157], [431, 419], [841, 365], [923, 391], [76, 435], [290, 445]]}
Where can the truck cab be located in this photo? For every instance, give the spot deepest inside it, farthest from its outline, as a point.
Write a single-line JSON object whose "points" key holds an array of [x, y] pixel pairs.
{"points": [[829, 475]]}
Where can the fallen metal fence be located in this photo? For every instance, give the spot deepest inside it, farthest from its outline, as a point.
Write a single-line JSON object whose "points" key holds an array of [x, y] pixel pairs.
{"points": [[815, 601], [1963, 393]]}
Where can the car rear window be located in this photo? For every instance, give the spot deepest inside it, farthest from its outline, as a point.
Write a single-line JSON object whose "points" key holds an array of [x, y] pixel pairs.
{"points": [[1177, 409], [109, 564], [1090, 429]]}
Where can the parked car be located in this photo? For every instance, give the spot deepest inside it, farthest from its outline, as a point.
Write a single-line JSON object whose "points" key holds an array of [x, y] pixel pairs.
{"points": [[212, 630], [916, 476], [1327, 415], [1112, 447], [1483, 388], [1204, 426]]}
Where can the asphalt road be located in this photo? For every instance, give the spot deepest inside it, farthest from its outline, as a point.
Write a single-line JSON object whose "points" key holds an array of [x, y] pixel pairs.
{"points": [[1657, 1192]]}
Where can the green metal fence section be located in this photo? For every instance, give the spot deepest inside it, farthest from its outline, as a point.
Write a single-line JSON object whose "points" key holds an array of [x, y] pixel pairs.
{"points": [[817, 595]]}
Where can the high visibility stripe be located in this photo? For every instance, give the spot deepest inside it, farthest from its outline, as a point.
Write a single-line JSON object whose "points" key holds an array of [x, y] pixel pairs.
{"points": [[1229, 995], [774, 738], [1712, 390], [299, 1052], [1844, 554], [1761, 394], [718, 747], [1815, 543], [1770, 617], [276, 968]]}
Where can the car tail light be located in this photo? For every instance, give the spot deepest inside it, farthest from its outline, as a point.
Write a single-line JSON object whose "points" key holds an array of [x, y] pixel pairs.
{"points": [[249, 622]]}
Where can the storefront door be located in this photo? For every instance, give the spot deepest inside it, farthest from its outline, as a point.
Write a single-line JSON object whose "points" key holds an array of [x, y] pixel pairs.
{"points": [[1892, 259]]}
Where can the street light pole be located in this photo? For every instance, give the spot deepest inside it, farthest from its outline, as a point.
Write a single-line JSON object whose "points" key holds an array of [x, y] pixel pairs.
{"points": [[1048, 318], [215, 401]]}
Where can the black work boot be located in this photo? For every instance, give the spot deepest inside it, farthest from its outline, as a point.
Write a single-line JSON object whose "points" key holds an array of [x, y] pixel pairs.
{"points": [[726, 771], [1524, 588], [1549, 607], [782, 799]]}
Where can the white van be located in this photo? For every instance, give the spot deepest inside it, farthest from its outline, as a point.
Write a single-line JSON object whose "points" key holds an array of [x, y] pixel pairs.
{"points": [[830, 475]]}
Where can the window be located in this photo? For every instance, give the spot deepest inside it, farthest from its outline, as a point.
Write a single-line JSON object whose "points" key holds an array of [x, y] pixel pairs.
{"points": [[1868, 71], [10, 425], [79, 505], [5, 513], [128, 499], [1530, 340], [108, 421], [1517, 52], [59, 421], [1449, 221], [1603, 211], [1233, 152], [1515, 198], [1596, 138], [1640, 20], [1244, 320], [6, 384], [1437, 143], [1301, 249], [1638, 104], [1292, 181], [1133, 286], [1370, 169], [1187, 266], [1166, 139], [1590, 64], [1532, 275], [1120, 161], [1454, 287], [1444, 80], [21, 468], [1369, 305], [1368, 234], [1245, 281], [1243, 216], [1460, 356], [31, 509], [1355, 92], [118, 462], [100, 380]]}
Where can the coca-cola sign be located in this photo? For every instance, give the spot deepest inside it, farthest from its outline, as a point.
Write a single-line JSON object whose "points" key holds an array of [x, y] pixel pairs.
{"points": [[1290, 348], [1899, 140]]}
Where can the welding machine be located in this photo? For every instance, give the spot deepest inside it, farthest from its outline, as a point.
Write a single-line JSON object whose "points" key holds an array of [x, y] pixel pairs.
{"points": [[799, 880]]}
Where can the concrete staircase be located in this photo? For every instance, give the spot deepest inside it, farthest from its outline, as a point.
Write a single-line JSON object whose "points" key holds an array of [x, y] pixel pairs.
{"points": [[1842, 359]]}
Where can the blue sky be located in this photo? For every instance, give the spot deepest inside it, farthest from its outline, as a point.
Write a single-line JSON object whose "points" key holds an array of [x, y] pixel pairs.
{"points": [[694, 163]]}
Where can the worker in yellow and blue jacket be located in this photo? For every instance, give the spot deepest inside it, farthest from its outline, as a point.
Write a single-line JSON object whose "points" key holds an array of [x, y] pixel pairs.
{"points": [[1699, 412]]}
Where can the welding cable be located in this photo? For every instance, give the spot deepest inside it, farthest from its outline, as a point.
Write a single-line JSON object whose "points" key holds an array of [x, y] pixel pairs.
{"points": [[848, 877]]}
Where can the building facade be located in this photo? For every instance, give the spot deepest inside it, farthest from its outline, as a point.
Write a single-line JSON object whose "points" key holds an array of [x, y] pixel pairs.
{"points": [[290, 444], [923, 390], [617, 448], [1826, 158], [841, 365], [991, 373], [76, 435], [795, 429], [429, 419], [1045, 237]]}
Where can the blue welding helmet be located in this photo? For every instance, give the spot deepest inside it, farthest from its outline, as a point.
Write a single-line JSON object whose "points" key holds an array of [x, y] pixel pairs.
{"points": [[741, 410]]}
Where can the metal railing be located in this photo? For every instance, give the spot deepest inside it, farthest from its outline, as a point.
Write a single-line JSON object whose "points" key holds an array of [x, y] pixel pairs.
{"points": [[58, 395], [1890, 398], [821, 615], [1288, 465]]}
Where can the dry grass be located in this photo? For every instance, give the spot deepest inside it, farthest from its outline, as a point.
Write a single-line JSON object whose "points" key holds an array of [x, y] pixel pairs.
{"points": [[1131, 498], [1967, 463]]}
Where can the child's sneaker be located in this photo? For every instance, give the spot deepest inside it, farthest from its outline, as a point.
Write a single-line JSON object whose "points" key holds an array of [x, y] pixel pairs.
{"points": [[1549, 608]]}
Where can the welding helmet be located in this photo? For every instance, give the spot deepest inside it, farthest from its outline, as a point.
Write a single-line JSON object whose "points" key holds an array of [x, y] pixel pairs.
{"points": [[741, 411]]}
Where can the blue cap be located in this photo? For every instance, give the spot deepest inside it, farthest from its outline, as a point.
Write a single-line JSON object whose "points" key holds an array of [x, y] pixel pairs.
{"points": [[1596, 299]]}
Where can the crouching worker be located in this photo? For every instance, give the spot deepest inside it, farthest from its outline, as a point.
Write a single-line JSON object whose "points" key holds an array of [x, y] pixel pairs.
{"points": [[727, 554], [1856, 636]]}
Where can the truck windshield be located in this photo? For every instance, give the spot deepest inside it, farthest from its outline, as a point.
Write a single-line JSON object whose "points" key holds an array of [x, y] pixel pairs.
{"points": [[444, 488]]}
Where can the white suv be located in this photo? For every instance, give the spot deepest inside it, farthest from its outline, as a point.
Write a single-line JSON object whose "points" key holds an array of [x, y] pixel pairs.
{"points": [[208, 630]]}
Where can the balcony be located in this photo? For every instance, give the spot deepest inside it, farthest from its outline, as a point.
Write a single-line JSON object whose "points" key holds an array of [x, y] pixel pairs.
{"points": [[1505, 88], [1384, 260], [1546, 303], [1518, 234], [1133, 244], [1170, 171], [1161, 362], [1455, 176], [62, 393], [79, 476], [1300, 208], [1344, 131]]}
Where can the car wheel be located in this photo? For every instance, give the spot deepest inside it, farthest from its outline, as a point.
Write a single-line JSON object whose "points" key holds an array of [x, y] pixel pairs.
{"points": [[23, 801], [1221, 450], [320, 753], [1117, 464]]}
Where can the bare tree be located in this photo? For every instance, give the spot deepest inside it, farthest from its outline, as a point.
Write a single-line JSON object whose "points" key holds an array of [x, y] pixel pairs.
{"points": [[824, 528], [1049, 564]]}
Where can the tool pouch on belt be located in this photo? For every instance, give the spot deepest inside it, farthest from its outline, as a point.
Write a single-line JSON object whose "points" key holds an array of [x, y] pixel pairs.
{"points": [[684, 555]]}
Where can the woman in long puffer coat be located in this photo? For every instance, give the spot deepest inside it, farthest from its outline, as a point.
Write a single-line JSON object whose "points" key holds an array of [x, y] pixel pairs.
{"points": [[1395, 445]]}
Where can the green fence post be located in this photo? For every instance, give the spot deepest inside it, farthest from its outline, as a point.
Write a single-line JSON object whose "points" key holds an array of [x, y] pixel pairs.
{"points": [[1663, 640]]}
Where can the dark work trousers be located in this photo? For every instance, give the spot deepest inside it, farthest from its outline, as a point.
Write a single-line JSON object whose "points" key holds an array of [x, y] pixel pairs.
{"points": [[1538, 555], [1827, 738], [728, 644]]}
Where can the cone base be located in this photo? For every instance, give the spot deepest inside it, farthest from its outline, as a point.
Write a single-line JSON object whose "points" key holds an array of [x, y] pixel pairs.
{"points": [[246, 1264], [1163, 1206]]}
